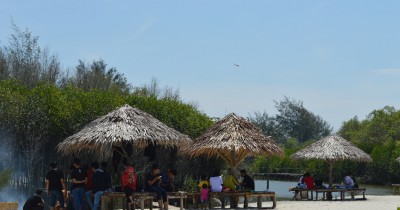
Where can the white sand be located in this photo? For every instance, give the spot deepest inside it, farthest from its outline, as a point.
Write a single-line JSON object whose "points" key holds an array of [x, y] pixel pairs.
{"points": [[372, 202], [387, 202]]}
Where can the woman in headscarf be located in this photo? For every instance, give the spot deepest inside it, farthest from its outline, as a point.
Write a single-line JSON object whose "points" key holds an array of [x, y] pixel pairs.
{"points": [[129, 179]]}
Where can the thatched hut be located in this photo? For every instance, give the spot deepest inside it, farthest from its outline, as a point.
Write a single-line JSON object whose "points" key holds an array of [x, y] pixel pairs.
{"points": [[233, 138], [126, 125], [331, 149]]}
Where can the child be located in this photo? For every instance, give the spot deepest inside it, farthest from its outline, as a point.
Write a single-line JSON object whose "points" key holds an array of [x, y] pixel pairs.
{"points": [[203, 181], [204, 195]]}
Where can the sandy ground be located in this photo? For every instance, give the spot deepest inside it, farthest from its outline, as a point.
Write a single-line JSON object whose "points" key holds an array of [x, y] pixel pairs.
{"points": [[372, 202]]}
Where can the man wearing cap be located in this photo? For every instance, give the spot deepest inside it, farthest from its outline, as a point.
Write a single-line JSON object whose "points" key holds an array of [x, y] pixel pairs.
{"points": [[55, 185], [35, 202]]}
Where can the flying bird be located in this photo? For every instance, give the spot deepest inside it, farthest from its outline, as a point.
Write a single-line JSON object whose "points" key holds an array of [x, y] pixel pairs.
{"points": [[237, 65]]}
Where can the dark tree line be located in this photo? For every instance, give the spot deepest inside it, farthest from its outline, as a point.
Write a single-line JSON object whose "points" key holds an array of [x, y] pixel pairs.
{"points": [[41, 104]]}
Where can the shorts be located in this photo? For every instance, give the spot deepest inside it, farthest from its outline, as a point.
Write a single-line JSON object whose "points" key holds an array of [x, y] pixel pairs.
{"points": [[56, 195]]}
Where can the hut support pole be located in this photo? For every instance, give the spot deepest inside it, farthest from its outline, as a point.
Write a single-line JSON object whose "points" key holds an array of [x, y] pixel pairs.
{"points": [[330, 174]]}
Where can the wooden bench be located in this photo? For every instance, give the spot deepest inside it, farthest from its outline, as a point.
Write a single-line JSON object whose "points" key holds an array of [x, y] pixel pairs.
{"points": [[396, 188], [341, 191], [260, 195], [107, 200], [235, 195]]}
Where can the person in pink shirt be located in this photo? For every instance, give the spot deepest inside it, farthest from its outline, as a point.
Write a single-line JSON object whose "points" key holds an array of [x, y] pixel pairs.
{"points": [[204, 195]]}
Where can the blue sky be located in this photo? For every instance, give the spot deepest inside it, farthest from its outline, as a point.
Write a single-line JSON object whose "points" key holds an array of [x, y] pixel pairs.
{"points": [[341, 58]]}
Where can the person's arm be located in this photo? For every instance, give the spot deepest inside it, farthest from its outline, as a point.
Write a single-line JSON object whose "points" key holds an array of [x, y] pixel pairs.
{"points": [[151, 182], [63, 184], [47, 187]]}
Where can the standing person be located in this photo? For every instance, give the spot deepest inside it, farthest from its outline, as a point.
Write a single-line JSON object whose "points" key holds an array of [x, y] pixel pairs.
{"points": [[35, 202], [101, 183], [129, 179], [55, 186], [204, 195], [216, 182], [247, 182], [153, 180], [79, 179]]}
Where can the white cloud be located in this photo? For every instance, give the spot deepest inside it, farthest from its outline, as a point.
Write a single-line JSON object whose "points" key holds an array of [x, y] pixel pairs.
{"points": [[388, 71]]}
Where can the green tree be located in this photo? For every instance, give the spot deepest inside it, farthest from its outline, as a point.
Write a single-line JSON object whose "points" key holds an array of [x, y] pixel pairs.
{"points": [[26, 61], [294, 120]]}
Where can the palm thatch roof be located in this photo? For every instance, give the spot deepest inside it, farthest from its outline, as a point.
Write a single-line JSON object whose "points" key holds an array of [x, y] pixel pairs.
{"points": [[332, 148], [123, 125], [233, 138]]}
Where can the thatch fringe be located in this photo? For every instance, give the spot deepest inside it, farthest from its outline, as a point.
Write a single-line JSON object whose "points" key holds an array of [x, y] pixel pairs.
{"points": [[233, 138], [126, 124]]}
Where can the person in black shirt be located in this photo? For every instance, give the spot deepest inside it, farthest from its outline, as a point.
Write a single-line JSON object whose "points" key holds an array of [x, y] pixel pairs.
{"points": [[55, 185], [248, 182], [101, 183], [78, 176], [168, 181], [153, 180], [35, 202]]}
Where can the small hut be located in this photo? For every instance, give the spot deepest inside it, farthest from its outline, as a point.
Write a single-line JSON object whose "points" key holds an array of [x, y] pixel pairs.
{"points": [[121, 127], [331, 149], [233, 138]]}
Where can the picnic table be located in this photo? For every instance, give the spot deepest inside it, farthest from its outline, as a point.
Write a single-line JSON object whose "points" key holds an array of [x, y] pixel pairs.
{"points": [[342, 192]]}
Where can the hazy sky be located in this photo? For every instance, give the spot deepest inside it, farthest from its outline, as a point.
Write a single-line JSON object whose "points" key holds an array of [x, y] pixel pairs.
{"points": [[341, 58]]}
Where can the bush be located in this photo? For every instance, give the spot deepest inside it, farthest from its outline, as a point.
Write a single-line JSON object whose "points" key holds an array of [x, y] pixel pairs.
{"points": [[5, 176]]}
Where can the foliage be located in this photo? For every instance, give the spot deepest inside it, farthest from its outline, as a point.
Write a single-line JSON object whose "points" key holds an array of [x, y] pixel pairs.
{"points": [[190, 184], [293, 122], [5, 176]]}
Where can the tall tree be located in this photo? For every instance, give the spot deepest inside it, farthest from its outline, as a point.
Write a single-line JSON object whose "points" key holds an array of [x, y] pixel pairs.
{"points": [[27, 61], [294, 120]]}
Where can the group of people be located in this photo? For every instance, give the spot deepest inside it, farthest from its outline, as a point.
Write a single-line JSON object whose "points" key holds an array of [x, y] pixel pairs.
{"points": [[307, 182], [154, 181], [216, 183], [89, 184]]}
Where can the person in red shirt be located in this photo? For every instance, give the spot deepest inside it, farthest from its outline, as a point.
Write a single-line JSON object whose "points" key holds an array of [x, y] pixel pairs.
{"points": [[308, 180], [129, 179]]}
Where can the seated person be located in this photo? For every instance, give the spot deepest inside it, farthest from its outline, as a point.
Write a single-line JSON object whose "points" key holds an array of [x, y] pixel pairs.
{"points": [[35, 202], [153, 180], [167, 181], [308, 180], [318, 184], [216, 182], [129, 179], [230, 182], [348, 181], [247, 182]]}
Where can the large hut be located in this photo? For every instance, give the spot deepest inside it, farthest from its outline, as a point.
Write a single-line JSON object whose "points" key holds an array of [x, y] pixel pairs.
{"points": [[233, 138], [126, 126], [331, 149]]}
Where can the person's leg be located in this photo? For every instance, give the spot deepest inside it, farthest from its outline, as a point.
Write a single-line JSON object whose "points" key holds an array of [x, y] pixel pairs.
{"points": [[52, 200], [89, 199], [61, 199], [82, 198], [164, 197], [158, 192], [97, 198], [75, 197]]}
